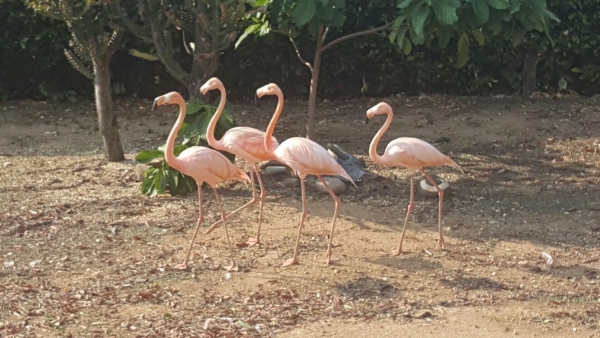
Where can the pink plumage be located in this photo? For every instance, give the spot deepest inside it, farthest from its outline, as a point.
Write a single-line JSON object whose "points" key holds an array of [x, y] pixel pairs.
{"points": [[412, 154], [247, 143], [305, 157], [202, 164]]}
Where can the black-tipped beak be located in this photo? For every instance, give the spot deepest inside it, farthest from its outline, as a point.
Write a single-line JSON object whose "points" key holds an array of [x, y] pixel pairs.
{"points": [[154, 104], [367, 120], [255, 98]]}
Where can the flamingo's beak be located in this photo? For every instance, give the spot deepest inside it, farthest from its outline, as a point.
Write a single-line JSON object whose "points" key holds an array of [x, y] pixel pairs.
{"points": [[154, 104], [367, 120], [204, 89], [256, 98]]}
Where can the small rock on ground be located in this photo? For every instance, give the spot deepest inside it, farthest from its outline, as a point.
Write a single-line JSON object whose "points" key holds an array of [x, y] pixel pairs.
{"points": [[335, 184], [290, 181]]}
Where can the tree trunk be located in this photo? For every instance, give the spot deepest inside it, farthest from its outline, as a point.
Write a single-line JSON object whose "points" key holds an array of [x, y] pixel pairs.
{"points": [[528, 74], [107, 120], [314, 82]]}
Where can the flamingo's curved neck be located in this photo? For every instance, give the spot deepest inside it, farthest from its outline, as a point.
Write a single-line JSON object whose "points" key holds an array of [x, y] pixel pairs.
{"points": [[169, 149], [373, 147], [269, 133], [212, 125]]}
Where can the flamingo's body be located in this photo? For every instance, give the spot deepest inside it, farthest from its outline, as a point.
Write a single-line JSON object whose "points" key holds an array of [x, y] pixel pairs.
{"points": [[200, 163], [305, 157], [413, 154], [245, 142]]}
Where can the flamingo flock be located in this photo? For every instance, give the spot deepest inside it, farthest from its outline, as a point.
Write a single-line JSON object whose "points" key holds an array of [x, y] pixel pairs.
{"points": [[305, 157]]}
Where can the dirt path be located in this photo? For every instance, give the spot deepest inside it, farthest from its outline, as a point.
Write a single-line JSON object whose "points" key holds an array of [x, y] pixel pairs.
{"points": [[84, 254]]}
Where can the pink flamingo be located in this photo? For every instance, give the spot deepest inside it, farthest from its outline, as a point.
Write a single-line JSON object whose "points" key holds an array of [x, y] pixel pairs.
{"points": [[203, 165], [412, 154], [305, 157], [247, 143]]}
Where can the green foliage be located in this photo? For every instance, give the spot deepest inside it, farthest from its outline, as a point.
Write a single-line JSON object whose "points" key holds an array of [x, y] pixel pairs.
{"points": [[30, 45], [444, 19], [160, 177], [200, 28]]}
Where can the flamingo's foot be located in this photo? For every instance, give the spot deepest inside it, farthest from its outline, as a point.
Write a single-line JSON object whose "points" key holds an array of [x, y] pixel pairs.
{"points": [[327, 258], [182, 267], [253, 240], [232, 267], [397, 252], [440, 244], [290, 261], [213, 227]]}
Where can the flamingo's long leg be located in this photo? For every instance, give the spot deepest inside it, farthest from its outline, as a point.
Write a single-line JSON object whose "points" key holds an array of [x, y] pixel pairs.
{"points": [[411, 205], [294, 259], [252, 201], [184, 266], [233, 266], [440, 244], [335, 213], [256, 240]]}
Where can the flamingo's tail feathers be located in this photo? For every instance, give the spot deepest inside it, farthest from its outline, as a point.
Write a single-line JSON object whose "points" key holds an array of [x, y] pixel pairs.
{"points": [[345, 175], [243, 175], [449, 162]]}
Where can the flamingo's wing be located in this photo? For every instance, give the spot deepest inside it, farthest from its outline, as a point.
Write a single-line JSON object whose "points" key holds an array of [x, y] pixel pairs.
{"points": [[204, 164], [306, 156], [247, 143], [413, 153]]}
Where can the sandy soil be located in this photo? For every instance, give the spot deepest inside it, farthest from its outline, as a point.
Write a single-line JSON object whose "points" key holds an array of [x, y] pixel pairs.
{"points": [[84, 254]]}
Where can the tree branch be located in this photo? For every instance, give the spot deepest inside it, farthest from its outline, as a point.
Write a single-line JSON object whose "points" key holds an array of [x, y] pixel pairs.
{"points": [[114, 42], [300, 56], [357, 34]]}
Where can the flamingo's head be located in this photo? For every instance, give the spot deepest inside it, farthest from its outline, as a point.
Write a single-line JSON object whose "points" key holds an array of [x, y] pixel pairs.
{"points": [[270, 89], [380, 108], [168, 98], [212, 83]]}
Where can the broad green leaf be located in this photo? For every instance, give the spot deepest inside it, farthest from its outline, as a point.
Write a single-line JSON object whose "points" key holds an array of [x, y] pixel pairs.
{"points": [[478, 35], [463, 50], [313, 27], [445, 11], [304, 12], [498, 4], [444, 36], [551, 15], [406, 47], [576, 70], [404, 4], [481, 9], [337, 20], [178, 149], [416, 38], [338, 4], [260, 3], [172, 181], [418, 20], [146, 156], [515, 6], [324, 11], [193, 106], [517, 36], [402, 37], [398, 21], [250, 30]]}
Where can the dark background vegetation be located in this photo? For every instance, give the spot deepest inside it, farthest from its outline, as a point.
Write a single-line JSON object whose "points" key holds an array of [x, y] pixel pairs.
{"points": [[32, 63]]}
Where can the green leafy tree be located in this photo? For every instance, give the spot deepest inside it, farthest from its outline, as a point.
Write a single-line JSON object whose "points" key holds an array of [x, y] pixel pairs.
{"points": [[91, 49], [202, 28], [412, 23]]}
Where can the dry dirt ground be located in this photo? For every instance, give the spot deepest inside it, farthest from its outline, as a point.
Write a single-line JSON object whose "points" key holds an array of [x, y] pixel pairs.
{"points": [[84, 254]]}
